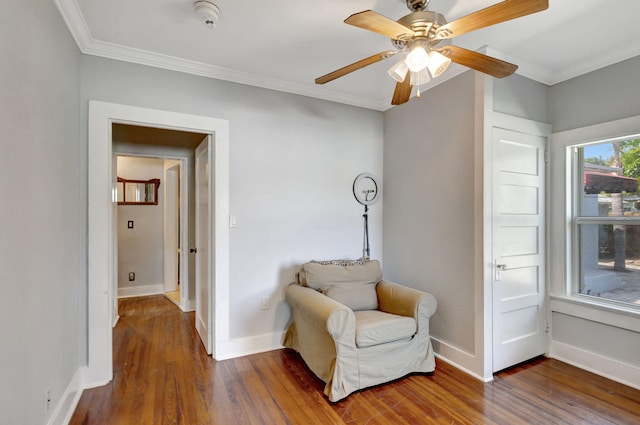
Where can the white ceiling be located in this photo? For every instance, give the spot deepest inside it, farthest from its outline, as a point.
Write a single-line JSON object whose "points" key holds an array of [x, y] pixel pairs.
{"points": [[286, 44]]}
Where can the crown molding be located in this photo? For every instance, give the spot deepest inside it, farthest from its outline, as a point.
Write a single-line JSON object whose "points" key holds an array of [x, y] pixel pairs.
{"points": [[525, 69], [79, 29], [545, 76], [614, 55], [157, 60], [74, 19]]}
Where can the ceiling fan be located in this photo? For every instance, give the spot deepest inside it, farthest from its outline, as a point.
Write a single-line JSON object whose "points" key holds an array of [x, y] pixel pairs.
{"points": [[423, 40]]}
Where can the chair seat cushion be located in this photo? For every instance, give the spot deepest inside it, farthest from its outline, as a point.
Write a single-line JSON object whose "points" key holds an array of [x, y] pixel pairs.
{"points": [[375, 327]]}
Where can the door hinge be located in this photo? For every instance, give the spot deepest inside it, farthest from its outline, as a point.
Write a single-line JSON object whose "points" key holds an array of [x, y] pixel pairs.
{"points": [[546, 156]]}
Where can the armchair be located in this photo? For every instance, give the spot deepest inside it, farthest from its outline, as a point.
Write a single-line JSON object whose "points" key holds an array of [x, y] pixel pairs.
{"points": [[355, 330]]}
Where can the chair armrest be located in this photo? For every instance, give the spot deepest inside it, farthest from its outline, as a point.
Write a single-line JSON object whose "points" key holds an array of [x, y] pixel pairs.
{"points": [[321, 312], [404, 301]]}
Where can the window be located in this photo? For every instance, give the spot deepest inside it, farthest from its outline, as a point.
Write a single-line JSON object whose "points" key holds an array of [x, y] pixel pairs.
{"points": [[606, 221]]}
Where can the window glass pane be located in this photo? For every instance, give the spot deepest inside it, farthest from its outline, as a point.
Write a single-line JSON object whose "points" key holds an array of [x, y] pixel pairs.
{"points": [[609, 174], [610, 261]]}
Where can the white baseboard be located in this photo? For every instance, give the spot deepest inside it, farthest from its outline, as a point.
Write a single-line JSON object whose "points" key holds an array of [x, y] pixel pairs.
{"points": [[251, 345], [462, 368], [140, 291], [190, 306], [63, 411], [459, 359], [273, 341], [600, 365]]}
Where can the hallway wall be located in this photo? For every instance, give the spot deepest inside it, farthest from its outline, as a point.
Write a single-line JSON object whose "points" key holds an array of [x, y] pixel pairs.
{"points": [[141, 249], [42, 205]]}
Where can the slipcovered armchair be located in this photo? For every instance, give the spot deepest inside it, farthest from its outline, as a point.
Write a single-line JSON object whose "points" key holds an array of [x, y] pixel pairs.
{"points": [[355, 330]]}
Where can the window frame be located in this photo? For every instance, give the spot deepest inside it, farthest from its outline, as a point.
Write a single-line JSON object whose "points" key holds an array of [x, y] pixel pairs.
{"points": [[575, 190]]}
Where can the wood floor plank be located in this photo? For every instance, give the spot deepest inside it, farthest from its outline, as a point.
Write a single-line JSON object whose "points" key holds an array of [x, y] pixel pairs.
{"points": [[162, 375]]}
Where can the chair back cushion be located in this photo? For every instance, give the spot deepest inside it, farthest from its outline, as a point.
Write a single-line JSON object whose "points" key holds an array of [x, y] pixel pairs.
{"points": [[350, 283]]}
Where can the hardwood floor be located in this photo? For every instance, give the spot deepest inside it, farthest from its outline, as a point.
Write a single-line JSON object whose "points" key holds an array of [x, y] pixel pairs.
{"points": [[163, 376]]}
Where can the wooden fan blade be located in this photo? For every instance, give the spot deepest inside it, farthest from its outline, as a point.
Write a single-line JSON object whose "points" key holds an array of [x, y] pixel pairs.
{"points": [[501, 12], [402, 92], [372, 21], [478, 61], [355, 66]]}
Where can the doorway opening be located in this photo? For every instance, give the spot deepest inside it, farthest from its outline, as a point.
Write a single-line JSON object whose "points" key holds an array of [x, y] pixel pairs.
{"points": [[158, 242], [101, 290], [148, 235]]}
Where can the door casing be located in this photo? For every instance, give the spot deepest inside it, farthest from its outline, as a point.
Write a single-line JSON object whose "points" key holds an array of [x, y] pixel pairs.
{"points": [[100, 258]]}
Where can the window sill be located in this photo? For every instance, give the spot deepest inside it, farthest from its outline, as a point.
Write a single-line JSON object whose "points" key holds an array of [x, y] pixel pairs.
{"points": [[587, 308]]}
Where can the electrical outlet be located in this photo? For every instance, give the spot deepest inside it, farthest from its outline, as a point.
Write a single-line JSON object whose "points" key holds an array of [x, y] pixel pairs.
{"points": [[132, 276], [264, 302], [47, 401]]}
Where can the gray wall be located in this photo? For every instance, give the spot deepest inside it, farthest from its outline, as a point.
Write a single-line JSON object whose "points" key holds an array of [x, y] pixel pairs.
{"points": [[127, 147], [42, 216], [521, 97], [601, 96], [141, 249], [292, 163], [429, 203]]}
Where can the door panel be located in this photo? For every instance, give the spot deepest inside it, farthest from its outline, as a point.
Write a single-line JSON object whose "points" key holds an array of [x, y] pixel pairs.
{"points": [[203, 245], [517, 241], [518, 247], [519, 199]]}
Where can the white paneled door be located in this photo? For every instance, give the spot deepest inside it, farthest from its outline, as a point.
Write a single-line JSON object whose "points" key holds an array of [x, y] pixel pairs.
{"points": [[203, 245], [519, 320]]}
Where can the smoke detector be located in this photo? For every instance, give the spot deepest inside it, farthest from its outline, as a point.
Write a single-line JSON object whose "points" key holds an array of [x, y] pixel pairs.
{"points": [[207, 12]]}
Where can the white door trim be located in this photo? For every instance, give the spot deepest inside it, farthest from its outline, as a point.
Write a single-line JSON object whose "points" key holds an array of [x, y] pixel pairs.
{"points": [[100, 290], [496, 119]]}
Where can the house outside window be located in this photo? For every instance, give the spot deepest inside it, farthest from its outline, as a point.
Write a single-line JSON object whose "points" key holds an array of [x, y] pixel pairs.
{"points": [[606, 221]]}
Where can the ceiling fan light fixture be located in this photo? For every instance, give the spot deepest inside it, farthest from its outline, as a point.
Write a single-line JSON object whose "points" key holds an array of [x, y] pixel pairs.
{"points": [[423, 37], [399, 70], [421, 77], [438, 63], [417, 58]]}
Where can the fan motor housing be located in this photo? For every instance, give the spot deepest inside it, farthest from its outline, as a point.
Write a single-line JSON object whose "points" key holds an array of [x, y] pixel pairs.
{"points": [[423, 23], [415, 5]]}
